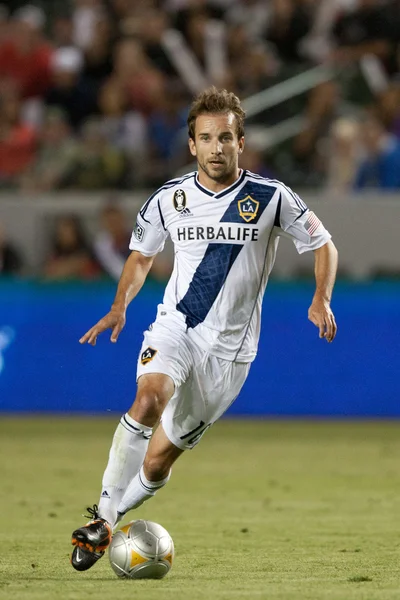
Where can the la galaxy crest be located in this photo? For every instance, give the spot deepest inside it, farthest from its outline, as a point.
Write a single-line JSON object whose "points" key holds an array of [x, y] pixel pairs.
{"points": [[248, 208], [147, 355], [179, 200]]}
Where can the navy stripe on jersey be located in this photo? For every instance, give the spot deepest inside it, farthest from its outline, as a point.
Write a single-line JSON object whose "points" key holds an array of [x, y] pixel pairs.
{"points": [[207, 282], [179, 180], [170, 184], [161, 216], [255, 175], [300, 215], [277, 222], [302, 205], [218, 259], [145, 206], [261, 193]]}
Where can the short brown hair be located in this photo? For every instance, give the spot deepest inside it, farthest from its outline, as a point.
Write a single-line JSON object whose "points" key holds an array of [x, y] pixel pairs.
{"points": [[214, 101]]}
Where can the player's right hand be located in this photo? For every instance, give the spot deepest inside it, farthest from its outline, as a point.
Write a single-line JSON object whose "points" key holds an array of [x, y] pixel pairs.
{"points": [[114, 320]]}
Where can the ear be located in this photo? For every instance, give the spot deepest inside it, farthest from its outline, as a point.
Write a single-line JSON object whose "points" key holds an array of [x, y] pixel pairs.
{"points": [[192, 147], [241, 145]]}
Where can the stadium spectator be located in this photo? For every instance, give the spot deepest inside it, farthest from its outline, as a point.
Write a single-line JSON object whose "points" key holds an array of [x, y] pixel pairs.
{"points": [[134, 72], [253, 67], [69, 90], [55, 155], [395, 19], [62, 30], [111, 243], [70, 256], [96, 165], [152, 31], [366, 29], [194, 27], [85, 16], [167, 134], [192, 19], [396, 125], [198, 45], [252, 159], [289, 22], [24, 55], [388, 108], [343, 151], [98, 63], [320, 113], [10, 259], [124, 129], [252, 15], [379, 168], [17, 139], [123, 9], [4, 23]]}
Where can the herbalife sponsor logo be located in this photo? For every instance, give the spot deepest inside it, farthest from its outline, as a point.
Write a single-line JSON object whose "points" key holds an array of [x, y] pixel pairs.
{"points": [[7, 335]]}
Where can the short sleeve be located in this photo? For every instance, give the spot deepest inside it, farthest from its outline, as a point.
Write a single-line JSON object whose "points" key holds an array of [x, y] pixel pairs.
{"points": [[149, 234], [299, 223]]}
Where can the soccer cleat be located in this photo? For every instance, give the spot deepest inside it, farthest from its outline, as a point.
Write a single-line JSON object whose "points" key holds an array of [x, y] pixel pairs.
{"points": [[90, 541], [83, 559]]}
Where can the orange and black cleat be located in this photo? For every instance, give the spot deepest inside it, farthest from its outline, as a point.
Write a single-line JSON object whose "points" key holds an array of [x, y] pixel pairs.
{"points": [[90, 541]]}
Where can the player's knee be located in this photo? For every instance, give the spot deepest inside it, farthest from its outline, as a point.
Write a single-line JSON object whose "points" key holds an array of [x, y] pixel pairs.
{"points": [[156, 468], [148, 406]]}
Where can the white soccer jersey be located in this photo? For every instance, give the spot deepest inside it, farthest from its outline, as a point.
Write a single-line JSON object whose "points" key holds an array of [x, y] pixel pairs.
{"points": [[225, 247]]}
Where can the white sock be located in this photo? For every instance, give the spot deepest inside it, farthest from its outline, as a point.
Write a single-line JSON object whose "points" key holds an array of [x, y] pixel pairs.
{"points": [[139, 490], [127, 453]]}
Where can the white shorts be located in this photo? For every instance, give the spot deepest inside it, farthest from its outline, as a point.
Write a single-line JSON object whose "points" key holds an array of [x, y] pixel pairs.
{"points": [[205, 385]]}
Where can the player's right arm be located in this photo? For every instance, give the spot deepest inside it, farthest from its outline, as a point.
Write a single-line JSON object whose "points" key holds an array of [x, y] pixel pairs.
{"points": [[147, 240], [132, 278]]}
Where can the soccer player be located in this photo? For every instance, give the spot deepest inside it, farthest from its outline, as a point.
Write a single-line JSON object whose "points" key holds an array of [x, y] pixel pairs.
{"points": [[225, 224]]}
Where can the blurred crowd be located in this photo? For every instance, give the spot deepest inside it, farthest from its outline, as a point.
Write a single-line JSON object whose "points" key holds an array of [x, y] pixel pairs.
{"points": [[94, 95], [74, 252]]}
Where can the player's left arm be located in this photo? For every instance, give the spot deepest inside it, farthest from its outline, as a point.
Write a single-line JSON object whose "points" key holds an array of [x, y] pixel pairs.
{"points": [[320, 312], [296, 221]]}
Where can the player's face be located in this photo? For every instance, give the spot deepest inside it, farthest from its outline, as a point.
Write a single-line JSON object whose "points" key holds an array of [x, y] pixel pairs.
{"points": [[217, 147]]}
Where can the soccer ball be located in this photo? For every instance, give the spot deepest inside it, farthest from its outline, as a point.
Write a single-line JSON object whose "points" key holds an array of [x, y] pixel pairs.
{"points": [[141, 550]]}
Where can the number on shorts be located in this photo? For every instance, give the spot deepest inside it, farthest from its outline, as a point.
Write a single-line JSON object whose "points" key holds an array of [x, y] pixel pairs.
{"points": [[199, 431]]}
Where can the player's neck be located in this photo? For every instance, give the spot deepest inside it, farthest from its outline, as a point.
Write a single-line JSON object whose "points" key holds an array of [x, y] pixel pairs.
{"points": [[217, 186]]}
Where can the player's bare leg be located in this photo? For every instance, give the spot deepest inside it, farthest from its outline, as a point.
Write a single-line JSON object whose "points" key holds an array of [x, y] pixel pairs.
{"points": [[154, 473], [160, 456], [154, 391], [127, 453]]}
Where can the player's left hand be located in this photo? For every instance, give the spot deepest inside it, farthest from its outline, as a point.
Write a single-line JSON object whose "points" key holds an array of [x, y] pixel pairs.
{"points": [[321, 315]]}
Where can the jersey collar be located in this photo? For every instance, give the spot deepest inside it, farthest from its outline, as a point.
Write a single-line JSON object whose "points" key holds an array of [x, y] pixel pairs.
{"points": [[227, 190]]}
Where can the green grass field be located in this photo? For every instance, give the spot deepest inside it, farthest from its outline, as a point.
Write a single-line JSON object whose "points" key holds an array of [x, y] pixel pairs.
{"points": [[274, 510]]}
